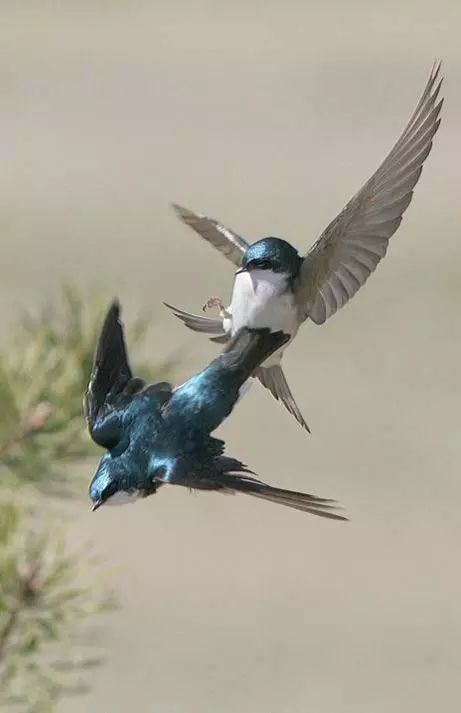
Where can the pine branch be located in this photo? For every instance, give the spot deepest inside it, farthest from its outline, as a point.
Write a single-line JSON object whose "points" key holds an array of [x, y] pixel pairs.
{"points": [[23, 599], [41, 610], [34, 422], [44, 607]]}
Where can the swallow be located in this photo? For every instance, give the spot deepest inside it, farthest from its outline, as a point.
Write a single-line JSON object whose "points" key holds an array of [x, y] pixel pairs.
{"points": [[155, 435], [276, 287]]}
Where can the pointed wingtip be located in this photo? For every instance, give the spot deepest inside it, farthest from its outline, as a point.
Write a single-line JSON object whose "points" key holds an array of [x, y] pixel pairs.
{"points": [[112, 325], [181, 211], [436, 67], [113, 313], [435, 77], [173, 309], [185, 214]]}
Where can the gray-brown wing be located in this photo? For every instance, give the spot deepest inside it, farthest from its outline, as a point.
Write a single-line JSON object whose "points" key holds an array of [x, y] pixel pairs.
{"points": [[198, 323], [350, 248], [223, 239]]}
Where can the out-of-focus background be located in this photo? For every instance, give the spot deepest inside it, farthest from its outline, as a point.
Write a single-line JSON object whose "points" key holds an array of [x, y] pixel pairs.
{"points": [[268, 116]]}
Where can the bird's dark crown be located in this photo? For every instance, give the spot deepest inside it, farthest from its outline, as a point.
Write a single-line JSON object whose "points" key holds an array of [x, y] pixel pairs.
{"points": [[272, 254], [121, 472]]}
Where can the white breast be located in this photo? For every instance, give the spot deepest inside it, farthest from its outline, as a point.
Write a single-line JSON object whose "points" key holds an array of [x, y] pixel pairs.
{"points": [[260, 299]]}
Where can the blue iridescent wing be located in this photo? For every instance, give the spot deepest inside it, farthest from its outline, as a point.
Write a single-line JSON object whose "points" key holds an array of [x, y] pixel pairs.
{"points": [[112, 387], [205, 400]]}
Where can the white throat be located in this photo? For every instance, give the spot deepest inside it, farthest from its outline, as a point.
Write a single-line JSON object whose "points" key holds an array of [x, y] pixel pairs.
{"points": [[269, 281], [123, 497]]}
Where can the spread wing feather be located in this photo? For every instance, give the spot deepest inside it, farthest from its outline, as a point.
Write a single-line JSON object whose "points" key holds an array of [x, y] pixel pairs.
{"points": [[198, 323], [223, 239], [112, 385], [352, 245]]}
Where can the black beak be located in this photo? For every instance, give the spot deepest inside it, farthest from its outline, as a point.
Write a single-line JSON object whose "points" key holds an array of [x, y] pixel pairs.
{"points": [[240, 270], [96, 505]]}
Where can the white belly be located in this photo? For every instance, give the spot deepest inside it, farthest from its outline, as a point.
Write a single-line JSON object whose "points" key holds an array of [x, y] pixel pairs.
{"points": [[260, 299]]}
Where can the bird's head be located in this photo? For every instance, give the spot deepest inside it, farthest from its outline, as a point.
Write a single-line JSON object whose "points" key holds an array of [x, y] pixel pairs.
{"points": [[119, 480], [272, 254]]}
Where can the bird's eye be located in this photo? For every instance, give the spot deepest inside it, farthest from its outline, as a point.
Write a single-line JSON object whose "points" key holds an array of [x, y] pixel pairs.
{"points": [[259, 264]]}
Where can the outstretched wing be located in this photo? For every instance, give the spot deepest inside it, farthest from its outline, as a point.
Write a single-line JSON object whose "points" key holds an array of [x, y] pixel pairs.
{"points": [[350, 248], [111, 384], [198, 323], [223, 239], [204, 401]]}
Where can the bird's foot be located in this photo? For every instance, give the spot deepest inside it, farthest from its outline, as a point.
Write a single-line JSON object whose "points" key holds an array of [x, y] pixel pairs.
{"points": [[213, 302]]}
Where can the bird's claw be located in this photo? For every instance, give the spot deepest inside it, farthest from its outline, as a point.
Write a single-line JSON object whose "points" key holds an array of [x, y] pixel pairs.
{"points": [[213, 302]]}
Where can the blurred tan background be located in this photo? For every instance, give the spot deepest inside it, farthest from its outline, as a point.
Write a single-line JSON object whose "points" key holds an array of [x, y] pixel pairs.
{"points": [[268, 116]]}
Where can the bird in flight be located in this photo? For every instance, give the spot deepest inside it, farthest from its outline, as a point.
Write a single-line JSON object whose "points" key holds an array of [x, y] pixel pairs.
{"points": [[276, 287], [155, 435]]}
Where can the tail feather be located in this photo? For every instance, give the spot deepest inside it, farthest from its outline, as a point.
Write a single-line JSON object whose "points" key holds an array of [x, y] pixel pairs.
{"points": [[305, 504], [323, 507], [274, 379]]}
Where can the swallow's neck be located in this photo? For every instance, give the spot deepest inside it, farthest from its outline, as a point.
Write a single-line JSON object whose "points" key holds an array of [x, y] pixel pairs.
{"points": [[123, 497], [268, 282]]}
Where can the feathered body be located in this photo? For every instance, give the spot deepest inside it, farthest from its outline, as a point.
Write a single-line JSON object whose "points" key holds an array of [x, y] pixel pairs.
{"points": [[156, 435], [275, 287]]}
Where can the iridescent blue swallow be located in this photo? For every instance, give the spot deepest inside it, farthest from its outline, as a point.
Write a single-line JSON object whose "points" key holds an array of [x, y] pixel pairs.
{"points": [[155, 435]]}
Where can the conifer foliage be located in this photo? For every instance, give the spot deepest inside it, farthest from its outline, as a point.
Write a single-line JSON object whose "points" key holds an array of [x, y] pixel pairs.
{"points": [[48, 595]]}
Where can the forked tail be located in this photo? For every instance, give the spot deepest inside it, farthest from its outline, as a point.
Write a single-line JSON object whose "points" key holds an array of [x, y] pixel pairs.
{"points": [[324, 507]]}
